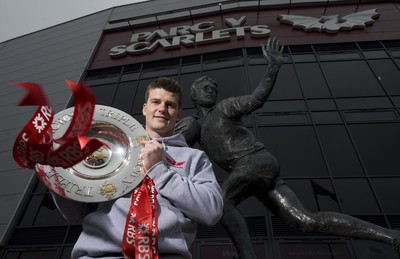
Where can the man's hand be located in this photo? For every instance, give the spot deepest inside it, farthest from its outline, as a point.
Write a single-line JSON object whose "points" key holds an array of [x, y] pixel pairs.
{"points": [[273, 53], [151, 153]]}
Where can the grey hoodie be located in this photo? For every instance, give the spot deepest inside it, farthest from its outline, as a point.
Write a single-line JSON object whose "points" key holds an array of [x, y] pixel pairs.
{"points": [[187, 194]]}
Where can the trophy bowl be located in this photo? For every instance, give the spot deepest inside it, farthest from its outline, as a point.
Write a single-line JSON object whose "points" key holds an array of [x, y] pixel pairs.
{"points": [[111, 171]]}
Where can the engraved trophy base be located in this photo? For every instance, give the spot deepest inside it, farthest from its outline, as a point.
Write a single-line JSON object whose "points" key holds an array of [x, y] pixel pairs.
{"points": [[110, 172]]}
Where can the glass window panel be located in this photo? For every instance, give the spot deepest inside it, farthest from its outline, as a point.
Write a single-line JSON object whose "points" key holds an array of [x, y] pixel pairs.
{"points": [[388, 75], [195, 59], [231, 81], [268, 119], [66, 253], [315, 194], [314, 251], [186, 81], [387, 190], [257, 60], [324, 194], [326, 117], [373, 54], [226, 250], [348, 47], [373, 250], [296, 149], [222, 56], [339, 56], [312, 81], [12, 255], [209, 65], [364, 103], [41, 211], [300, 48], [351, 78], [159, 73], [38, 254], [30, 211], [130, 76], [370, 45], [340, 154], [48, 214], [395, 53], [133, 68], [251, 207], [303, 58], [124, 97], [163, 64], [356, 196], [191, 68], [286, 85], [378, 145], [110, 72], [40, 188], [104, 94], [321, 104], [102, 80], [255, 57], [397, 60], [396, 100], [283, 106], [138, 99], [370, 115], [31, 254], [74, 231]]}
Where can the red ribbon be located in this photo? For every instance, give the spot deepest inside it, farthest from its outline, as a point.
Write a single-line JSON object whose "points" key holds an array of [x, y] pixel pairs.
{"points": [[35, 143], [140, 239]]}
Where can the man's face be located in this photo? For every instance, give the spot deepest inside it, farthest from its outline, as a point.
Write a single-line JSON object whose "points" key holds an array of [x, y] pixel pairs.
{"points": [[161, 112], [206, 94]]}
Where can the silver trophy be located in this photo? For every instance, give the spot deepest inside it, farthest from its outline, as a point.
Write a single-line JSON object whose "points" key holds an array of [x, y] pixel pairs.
{"points": [[111, 171]]}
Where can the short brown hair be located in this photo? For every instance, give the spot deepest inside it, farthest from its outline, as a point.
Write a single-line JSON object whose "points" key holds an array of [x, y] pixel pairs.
{"points": [[168, 84]]}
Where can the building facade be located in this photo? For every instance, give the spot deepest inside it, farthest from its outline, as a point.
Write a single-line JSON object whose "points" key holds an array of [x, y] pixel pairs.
{"points": [[332, 119]]}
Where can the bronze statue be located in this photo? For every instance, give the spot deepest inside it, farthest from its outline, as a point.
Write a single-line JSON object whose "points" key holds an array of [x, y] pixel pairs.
{"points": [[253, 171]]}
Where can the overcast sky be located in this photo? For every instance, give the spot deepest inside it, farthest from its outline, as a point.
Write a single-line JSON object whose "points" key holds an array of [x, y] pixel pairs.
{"points": [[20, 17]]}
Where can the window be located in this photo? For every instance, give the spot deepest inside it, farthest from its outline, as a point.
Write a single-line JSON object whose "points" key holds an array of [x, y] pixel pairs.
{"points": [[386, 189], [296, 148], [378, 145], [340, 154], [314, 251], [124, 96], [286, 85], [312, 81], [315, 194], [104, 94], [356, 196], [186, 81], [231, 81], [351, 79], [387, 74]]}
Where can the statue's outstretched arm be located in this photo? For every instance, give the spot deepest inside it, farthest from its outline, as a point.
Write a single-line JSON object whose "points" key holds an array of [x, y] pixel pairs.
{"points": [[243, 105], [272, 52]]}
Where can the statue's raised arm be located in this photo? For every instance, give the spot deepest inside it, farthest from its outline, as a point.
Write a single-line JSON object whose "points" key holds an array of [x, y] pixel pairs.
{"points": [[272, 52]]}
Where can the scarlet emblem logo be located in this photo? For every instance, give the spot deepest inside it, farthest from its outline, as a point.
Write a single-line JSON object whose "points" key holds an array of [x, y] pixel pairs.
{"points": [[331, 23]]}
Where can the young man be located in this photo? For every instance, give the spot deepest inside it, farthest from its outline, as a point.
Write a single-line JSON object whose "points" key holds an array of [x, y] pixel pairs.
{"points": [[187, 191]]}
